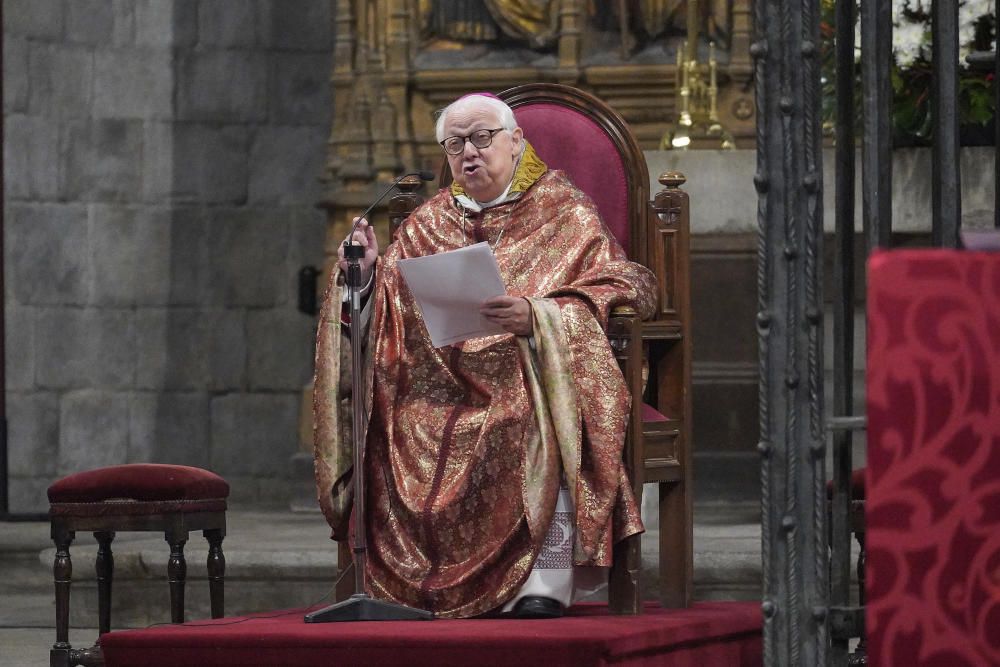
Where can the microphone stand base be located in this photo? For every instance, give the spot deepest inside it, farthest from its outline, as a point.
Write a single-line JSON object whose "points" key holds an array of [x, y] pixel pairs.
{"points": [[361, 607]]}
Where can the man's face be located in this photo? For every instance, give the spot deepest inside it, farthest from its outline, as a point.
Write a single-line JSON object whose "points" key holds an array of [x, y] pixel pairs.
{"points": [[482, 172]]}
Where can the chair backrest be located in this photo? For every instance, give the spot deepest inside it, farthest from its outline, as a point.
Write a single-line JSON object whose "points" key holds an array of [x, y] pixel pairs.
{"points": [[574, 131]]}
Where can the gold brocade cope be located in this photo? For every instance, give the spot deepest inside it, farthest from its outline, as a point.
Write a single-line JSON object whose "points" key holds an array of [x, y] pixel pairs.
{"points": [[466, 444], [333, 455]]}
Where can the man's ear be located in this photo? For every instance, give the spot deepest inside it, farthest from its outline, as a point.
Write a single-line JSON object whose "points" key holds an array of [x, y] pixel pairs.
{"points": [[516, 137]]}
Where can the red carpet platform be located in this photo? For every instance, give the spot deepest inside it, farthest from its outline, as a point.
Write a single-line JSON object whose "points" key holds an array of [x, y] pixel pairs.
{"points": [[710, 634]]}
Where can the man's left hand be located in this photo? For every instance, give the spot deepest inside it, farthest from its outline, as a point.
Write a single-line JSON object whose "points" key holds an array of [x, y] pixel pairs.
{"points": [[513, 313]]}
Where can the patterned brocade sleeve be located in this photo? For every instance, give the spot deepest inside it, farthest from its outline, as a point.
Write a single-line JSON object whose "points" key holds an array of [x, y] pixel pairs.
{"points": [[607, 278]]}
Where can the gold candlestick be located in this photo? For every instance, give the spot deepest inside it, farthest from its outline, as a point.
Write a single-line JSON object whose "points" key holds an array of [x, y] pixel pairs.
{"points": [[693, 28], [714, 127], [697, 97]]}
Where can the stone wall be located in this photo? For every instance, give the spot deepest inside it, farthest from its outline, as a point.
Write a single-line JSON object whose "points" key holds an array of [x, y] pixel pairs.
{"points": [[161, 161], [724, 201]]}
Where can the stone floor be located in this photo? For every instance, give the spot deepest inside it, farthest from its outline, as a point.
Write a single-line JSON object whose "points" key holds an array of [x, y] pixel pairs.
{"points": [[274, 559]]}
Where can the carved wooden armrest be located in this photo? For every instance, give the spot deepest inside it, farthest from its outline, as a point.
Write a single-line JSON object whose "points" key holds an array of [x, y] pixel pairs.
{"points": [[620, 325], [625, 334], [623, 311]]}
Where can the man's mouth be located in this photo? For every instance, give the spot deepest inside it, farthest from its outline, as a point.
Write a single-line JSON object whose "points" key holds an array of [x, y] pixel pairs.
{"points": [[469, 169]]}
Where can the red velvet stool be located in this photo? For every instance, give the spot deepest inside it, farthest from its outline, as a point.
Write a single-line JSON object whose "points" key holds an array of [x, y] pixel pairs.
{"points": [[137, 496]]}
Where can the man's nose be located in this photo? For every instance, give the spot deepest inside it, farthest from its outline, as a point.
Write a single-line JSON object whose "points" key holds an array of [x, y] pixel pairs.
{"points": [[469, 149]]}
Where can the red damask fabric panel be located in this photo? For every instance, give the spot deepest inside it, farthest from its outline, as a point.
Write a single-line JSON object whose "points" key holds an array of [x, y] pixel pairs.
{"points": [[933, 496]]}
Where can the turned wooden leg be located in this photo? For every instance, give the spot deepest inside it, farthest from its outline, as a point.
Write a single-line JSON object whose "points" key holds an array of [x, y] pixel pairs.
{"points": [[216, 572], [62, 574], [176, 575], [105, 567], [86, 657], [676, 547], [623, 580]]}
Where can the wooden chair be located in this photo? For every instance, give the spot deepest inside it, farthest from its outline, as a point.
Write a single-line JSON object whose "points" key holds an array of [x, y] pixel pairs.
{"points": [[171, 499], [574, 131]]}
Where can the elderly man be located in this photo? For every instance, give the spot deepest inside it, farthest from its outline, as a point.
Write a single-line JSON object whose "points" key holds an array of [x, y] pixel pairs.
{"points": [[467, 445]]}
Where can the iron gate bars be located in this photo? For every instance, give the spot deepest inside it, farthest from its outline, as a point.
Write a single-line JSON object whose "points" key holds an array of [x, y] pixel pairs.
{"points": [[945, 172], [801, 614], [876, 158], [843, 320], [789, 323], [876, 150]]}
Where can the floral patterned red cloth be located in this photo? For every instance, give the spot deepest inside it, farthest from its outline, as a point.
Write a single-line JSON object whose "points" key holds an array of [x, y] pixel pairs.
{"points": [[933, 505]]}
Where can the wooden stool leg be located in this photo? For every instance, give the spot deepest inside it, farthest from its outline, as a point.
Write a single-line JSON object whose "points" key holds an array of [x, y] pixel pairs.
{"points": [[216, 571], [176, 575], [105, 567], [62, 574]]}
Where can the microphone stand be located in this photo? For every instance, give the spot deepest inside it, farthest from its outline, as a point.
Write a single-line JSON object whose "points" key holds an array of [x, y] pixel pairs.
{"points": [[361, 606]]}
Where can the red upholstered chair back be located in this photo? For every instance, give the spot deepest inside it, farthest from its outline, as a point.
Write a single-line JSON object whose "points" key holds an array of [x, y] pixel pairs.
{"points": [[933, 489], [574, 131], [568, 140]]}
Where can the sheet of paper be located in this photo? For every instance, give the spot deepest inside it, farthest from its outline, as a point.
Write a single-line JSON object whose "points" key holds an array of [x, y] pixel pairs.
{"points": [[449, 287]]}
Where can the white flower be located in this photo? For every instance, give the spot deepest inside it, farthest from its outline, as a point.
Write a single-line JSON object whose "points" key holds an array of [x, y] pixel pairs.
{"points": [[911, 38], [908, 41]]}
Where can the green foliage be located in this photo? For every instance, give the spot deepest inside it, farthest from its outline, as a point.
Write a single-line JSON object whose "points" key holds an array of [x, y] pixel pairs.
{"points": [[977, 99], [911, 86]]}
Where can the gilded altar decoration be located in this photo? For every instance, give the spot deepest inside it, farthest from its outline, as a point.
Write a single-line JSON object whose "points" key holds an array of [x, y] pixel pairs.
{"points": [[535, 22], [397, 62], [467, 444], [698, 104]]}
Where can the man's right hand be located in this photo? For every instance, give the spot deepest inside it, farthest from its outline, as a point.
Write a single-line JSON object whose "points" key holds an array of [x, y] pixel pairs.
{"points": [[364, 236]]}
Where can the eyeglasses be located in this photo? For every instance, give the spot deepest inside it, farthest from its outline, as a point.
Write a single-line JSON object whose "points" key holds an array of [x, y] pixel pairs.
{"points": [[480, 139]]}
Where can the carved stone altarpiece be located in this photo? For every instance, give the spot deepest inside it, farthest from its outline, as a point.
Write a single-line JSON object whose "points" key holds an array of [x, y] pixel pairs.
{"points": [[391, 73]]}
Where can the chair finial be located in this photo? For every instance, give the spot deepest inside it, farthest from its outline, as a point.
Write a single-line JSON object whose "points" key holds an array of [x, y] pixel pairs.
{"points": [[672, 179]]}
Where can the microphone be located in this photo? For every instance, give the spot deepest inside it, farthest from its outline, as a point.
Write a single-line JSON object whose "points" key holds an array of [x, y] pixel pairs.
{"points": [[355, 251]]}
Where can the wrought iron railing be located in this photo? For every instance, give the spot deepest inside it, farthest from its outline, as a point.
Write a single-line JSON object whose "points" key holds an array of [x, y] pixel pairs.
{"points": [[808, 615]]}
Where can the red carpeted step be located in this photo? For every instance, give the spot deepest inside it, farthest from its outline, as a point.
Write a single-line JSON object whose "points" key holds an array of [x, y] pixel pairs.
{"points": [[709, 633]]}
